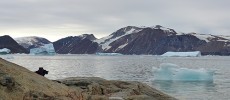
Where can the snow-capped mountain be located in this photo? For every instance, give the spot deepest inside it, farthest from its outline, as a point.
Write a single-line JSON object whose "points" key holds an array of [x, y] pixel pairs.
{"points": [[158, 40], [31, 42], [126, 31], [215, 44], [82, 44], [137, 40], [9, 43]]}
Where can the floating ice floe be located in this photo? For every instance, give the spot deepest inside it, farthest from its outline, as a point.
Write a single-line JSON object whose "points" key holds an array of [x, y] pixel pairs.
{"points": [[47, 49], [108, 54], [4, 51], [172, 72], [182, 54]]}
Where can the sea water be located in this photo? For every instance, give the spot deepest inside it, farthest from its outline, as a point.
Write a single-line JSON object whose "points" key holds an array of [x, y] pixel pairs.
{"points": [[173, 72], [138, 68]]}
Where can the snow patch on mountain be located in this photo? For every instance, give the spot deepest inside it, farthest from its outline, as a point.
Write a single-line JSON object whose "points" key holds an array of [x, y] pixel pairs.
{"points": [[88, 36], [209, 37], [104, 42], [29, 40], [34, 41], [162, 28], [226, 37], [205, 37]]}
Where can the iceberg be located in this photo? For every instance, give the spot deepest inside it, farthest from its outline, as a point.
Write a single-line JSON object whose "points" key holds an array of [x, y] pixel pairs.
{"points": [[172, 72], [182, 54], [47, 49], [108, 54], [4, 51]]}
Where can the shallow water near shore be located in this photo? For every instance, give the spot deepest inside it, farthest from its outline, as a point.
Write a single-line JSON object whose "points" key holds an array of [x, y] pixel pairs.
{"points": [[136, 68]]}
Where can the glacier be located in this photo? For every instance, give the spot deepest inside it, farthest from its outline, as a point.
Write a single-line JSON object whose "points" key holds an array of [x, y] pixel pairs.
{"points": [[4, 51], [172, 72], [182, 54], [47, 49]]}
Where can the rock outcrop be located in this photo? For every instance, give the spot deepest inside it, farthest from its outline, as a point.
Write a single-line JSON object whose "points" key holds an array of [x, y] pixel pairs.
{"points": [[18, 83]]}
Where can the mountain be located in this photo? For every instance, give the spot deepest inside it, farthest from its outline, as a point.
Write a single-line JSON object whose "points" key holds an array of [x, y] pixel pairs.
{"points": [[31, 42], [82, 44], [158, 40], [7, 42], [215, 44], [88, 36]]}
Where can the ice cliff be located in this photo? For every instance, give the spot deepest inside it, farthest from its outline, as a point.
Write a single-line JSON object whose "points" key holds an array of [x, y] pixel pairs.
{"points": [[46, 49]]}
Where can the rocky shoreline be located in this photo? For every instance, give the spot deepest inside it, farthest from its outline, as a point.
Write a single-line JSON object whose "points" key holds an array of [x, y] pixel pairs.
{"points": [[18, 83]]}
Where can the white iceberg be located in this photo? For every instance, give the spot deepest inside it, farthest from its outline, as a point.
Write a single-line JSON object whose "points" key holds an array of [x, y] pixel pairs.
{"points": [[4, 51], [172, 72], [108, 54], [47, 49], [182, 54]]}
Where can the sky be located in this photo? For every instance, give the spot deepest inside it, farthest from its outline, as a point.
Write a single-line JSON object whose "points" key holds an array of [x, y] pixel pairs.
{"points": [[55, 19]]}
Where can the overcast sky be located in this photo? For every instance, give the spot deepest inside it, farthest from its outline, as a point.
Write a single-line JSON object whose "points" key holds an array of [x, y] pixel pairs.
{"points": [[55, 19]]}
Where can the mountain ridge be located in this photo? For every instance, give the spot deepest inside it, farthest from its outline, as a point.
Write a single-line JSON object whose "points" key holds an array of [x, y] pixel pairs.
{"points": [[154, 40], [160, 40]]}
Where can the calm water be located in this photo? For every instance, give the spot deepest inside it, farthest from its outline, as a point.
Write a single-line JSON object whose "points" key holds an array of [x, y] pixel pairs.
{"points": [[136, 68]]}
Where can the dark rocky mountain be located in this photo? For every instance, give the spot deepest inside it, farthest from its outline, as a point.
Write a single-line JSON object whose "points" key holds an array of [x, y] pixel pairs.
{"points": [[76, 45], [216, 45], [8, 42], [88, 36], [158, 40], [31, 42]]}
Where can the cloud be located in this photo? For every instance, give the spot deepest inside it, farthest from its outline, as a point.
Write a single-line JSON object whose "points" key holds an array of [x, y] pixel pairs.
{"points": [[102, 17]]}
